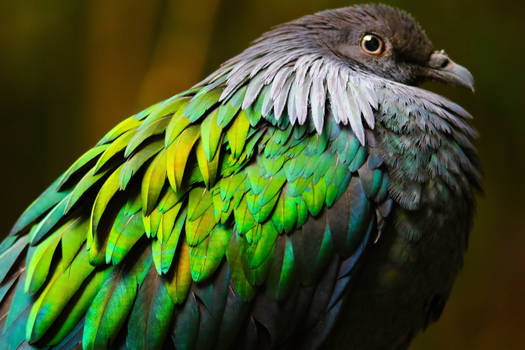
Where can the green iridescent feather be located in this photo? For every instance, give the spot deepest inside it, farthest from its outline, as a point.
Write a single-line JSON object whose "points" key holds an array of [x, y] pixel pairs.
{"points": [[163, 201]]}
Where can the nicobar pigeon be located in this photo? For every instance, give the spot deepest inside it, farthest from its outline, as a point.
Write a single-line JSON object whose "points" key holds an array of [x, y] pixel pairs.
{"points": [[306, 195]]}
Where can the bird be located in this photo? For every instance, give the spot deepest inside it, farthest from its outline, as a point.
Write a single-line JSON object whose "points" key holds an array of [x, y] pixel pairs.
{"points": [[308, 194]]}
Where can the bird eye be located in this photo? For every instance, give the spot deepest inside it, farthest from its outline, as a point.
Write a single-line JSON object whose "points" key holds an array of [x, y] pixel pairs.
{"points": [[372, 44]]}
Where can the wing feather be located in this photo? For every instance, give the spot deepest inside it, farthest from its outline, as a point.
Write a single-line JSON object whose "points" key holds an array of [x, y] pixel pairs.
{"points": [[186, 216]]}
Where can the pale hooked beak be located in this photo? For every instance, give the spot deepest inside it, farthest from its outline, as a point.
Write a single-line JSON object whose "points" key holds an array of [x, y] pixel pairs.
{"points": [[443, 69]]}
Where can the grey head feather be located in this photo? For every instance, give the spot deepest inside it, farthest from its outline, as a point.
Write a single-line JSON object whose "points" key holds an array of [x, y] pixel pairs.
{"points": [[282, 96]]}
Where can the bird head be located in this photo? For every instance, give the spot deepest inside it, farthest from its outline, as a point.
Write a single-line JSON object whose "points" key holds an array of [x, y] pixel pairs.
{"points": [[347, 59], [387, 42], [378, 39]]}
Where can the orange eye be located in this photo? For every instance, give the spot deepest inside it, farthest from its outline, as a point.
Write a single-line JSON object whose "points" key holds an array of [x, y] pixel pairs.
{"points": [[372, 44]]}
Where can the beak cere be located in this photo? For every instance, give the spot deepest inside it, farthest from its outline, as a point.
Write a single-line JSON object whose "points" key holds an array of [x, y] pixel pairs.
{"points": [[442, 68]]}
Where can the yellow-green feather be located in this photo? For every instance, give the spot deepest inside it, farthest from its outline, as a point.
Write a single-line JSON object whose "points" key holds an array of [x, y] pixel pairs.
{"points": [[177, 155]]}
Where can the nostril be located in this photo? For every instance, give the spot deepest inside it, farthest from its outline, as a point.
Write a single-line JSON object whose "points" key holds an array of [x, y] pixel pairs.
{"points": [[445, 63]]}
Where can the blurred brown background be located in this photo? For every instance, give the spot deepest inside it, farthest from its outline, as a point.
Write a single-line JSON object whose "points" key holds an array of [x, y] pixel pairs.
{"points": [[70, 70]]}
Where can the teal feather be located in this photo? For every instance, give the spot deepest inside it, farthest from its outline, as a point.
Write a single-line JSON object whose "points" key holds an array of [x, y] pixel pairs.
{"points": [[299, 186], [170, 199], [231, 186], [261, 212], [20, 304], [231, 321], [325, 254], [66, 281], [146, 131], [237, 134], [295, 168], [166, 108], [338, 184], [167, 221], [285, 214], [226, 113], [74, 338], [48, 222], [116, 147], [253, 116], [201, 103], [330, 174], [152, 223], [48, 199], [88, 181], [178, 280], [317, 143], [122, 127], [272, 188], [81, 302], [153, 183], [271, 147], [358, 159], [201, 217], [213, 297], [208, 254], [326, 160], [146, 111], [273, 165], [360, 215], [282, 271], [105, 194], [132, 165], [314, 197], [211, 134], [256, 179], [340, 145], [71, 236], [199, 201], [110, 308], [280, 137], [346, 147], [383, 189], [258, 254], [176, 126], [186, 328], [81, 162], [237, 98], [302, 212], [6, 244], [13, 333], [244, 220], [150, 319], [5, 288], [299, 131], [126, 230], [235, 261], [10, 255], [164, 250]]}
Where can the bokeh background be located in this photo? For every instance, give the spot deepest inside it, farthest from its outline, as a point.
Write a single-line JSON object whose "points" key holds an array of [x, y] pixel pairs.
{"points": [[70, 70]]}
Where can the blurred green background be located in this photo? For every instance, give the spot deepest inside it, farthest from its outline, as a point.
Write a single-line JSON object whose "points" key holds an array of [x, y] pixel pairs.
{"points": [[70, 70]]}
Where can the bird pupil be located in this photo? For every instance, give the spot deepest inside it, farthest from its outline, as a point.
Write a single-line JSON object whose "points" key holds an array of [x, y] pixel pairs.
{"points": [[372, 44]]}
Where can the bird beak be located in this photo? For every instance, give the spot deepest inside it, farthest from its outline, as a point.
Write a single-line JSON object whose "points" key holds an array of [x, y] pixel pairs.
{"points": [[442, 68]]}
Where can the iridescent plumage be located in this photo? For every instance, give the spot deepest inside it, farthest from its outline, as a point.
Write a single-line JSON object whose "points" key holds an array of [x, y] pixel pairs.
{"points": [[238, 213]]}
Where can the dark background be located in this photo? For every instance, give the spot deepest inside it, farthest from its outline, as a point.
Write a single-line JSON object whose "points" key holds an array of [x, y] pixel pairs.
{"points": [[70, 70]]}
